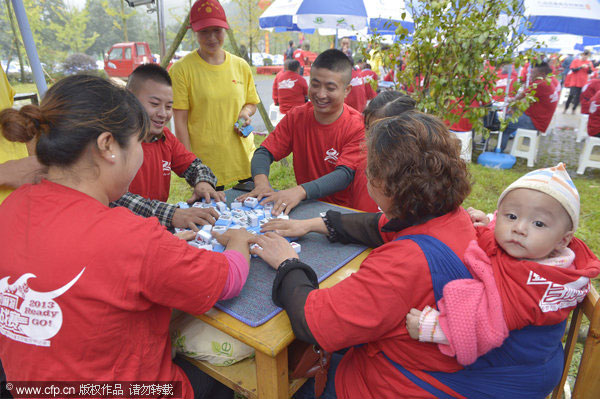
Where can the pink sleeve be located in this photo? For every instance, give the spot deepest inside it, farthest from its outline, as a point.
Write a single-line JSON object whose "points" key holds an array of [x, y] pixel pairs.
{"points": [[471, 314], [238, 273]]}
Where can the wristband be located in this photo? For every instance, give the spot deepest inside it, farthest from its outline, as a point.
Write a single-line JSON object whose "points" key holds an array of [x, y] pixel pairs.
{"points": [[332, 235]]}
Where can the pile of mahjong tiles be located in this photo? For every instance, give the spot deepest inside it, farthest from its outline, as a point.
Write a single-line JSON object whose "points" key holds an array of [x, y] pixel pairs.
{"points": [[249, 215]]}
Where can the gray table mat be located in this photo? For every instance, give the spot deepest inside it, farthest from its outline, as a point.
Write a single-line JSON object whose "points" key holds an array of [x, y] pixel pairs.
{"points": [[254, 305]]}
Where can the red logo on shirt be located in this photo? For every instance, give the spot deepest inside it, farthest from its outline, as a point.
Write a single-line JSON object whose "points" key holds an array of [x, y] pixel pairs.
{"points": [[237, 82]]}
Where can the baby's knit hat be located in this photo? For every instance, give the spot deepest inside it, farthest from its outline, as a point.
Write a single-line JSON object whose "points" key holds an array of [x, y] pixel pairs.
{"points": [[555, 182]]}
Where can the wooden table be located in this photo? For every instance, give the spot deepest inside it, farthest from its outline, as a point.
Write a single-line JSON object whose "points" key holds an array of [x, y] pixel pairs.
{"points": [[265, 376]]}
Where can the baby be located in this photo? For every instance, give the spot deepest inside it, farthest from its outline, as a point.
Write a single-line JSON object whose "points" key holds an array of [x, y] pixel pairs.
{"points": [[527, 269]]}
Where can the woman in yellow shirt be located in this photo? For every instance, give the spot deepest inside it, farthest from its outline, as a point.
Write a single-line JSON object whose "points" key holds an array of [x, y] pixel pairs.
{"points": [[212, 89], [16, 167]]}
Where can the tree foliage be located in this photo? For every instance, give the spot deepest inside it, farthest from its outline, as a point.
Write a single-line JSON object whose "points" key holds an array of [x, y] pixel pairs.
{"points": [[449, 58]]}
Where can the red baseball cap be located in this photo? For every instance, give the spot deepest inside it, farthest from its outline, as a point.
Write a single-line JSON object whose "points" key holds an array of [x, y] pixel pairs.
{"points": [[207, 13]]}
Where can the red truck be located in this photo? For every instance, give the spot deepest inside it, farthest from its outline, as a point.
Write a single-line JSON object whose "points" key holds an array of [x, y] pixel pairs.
{"points": [[123, 58]]}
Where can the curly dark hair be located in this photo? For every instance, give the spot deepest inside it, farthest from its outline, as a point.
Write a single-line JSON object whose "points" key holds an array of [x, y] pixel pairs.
{"points": [[416, 161]]}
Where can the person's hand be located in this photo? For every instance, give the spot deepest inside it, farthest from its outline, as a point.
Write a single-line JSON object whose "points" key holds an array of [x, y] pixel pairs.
{"points": [[412, 323], [287, 228], [261, 187], [285, 200], [238, 235], [189, 218], [187, 235], [478, 218], [206, 191], [245, 117], [274, 249]]}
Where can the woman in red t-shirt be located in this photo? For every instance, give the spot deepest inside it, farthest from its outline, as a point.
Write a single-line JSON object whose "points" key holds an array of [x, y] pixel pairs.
{"points": [[90, 288], [418, 179]]}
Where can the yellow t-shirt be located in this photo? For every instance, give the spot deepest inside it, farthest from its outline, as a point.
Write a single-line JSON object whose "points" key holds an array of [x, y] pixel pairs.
{"points": [[214, 96], [8, 150]]}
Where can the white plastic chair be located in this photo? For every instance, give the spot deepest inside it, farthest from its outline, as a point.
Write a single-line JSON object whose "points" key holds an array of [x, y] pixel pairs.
{"points": [[587, 158], [466, 141], [582, 129], [523, 148], [274, 115]]}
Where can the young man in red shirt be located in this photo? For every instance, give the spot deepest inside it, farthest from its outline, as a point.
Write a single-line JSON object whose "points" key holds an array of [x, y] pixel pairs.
{"points": [[326, 138], [368, 75], [539, 114], [149, 190], [361, 92], [289, 88]]}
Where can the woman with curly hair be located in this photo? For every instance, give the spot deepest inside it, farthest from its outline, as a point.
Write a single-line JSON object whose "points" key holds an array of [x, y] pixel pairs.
{"points": [[417, 178]]}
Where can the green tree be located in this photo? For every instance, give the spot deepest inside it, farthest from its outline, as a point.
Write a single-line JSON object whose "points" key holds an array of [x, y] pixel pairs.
{"points": [[454, 46], [244, 23], [119, 16], [71, 29], [101, 24]]}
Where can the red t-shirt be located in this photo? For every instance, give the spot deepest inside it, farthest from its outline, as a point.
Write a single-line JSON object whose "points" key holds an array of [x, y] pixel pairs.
{"points": [[579, 78], [588, 91], [542, 110], [501, 82], [360, 93], [594, 120], [318, 149], [370, 78], [289, 90], [89, 289], [153, 180], [371, 306]]}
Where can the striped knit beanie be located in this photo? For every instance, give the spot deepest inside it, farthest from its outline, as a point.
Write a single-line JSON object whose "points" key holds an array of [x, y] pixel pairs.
{"points": [[555, 182]]}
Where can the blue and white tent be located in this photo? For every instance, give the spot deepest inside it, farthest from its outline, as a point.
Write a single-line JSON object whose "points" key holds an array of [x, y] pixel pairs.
{"points": [[353, 15], [576, 17]]}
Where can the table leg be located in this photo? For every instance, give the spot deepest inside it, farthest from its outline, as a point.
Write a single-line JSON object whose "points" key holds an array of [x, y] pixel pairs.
{"points": [[272, 375]]}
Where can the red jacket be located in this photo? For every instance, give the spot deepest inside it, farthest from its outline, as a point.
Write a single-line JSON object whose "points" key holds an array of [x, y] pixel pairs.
{"points": [[580, 77]]}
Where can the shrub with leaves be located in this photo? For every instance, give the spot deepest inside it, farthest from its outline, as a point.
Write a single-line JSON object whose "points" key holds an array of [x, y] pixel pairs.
{"points": [[451, 55], [77, 63]]}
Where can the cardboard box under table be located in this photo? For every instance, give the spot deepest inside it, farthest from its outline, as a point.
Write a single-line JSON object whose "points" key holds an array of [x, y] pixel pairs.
{"points": [[254, 319]]}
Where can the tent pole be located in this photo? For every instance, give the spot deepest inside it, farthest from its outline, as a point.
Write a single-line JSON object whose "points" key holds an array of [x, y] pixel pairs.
{"points": [[34, 60]]}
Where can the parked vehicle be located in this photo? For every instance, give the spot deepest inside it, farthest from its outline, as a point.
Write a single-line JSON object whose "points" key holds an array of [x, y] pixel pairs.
{"points": [[123, 58]]}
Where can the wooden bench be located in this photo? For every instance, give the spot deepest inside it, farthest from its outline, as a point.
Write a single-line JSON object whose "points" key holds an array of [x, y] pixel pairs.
{"points": [[587, 384]]}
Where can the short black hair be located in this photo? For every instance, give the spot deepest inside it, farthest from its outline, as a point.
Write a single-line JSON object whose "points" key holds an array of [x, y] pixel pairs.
{"points": [[336, 61], [291, 42], [291, 65], [543, 67], [145, 72], [388, 104]]}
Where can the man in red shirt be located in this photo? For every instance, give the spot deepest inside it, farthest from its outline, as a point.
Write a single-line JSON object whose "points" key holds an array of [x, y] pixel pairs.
{"points": [[577, 78], [289, 88], [368, 75], [304, 56], [588, 91], [149, 190], [326, 138], [539, 114], [361, 92], [594, 121]]}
